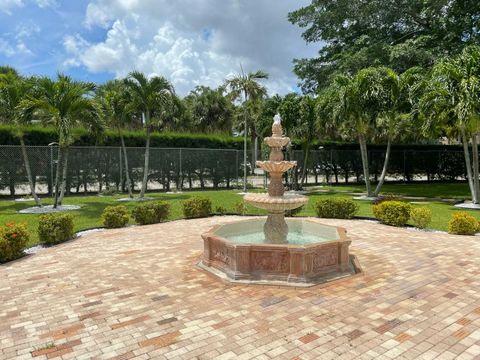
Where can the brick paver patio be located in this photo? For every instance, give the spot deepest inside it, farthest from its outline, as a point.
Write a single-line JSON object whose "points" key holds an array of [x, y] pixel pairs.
{"points": [[135, 293]]}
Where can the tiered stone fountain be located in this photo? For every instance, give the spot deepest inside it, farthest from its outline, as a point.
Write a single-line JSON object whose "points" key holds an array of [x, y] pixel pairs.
{"points": [[275, 250]]}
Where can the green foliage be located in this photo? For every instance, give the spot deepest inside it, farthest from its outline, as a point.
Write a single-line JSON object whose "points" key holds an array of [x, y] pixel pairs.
{"points": [[55, 228], [220, 210], [462, 223], [13, 239], [197, 207], [294, 212], [395, 213], [115, 216], [336, 208], [421, 217], [151, 213], [240, 207], [386, 197]]}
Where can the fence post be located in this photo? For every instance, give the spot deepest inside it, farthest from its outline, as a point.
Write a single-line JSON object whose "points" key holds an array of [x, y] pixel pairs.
{"points": [[236, 165], [51, 170], [180, 174], [121, 168]]}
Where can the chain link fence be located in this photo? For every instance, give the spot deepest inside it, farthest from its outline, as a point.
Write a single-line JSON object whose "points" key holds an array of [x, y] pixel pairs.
{"points": [[101, 169]]}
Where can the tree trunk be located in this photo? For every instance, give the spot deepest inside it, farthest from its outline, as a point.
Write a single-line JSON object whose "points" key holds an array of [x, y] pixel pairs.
{"points": [[476, 182], [64, 177], [127, 174], [468, 165], [147, 156], [245, 145], [366, 173], [305, 162], [385, 167], [254, 150], [58, 174], [29, 173]]}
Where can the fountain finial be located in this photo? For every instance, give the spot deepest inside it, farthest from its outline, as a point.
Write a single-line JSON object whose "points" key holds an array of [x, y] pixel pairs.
{"points": [[277, 126]]}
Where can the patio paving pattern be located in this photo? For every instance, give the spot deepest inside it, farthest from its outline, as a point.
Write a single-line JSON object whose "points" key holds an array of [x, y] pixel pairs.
{"points": [[136, 293]]}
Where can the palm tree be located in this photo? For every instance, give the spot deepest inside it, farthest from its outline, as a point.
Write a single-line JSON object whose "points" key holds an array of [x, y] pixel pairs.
{"points": [[248, 87], [451, 101], [13, 89], [117, 110], [150, 97], [64, 103]]}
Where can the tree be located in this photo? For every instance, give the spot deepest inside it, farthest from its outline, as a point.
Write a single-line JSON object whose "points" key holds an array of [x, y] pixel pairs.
{"points": [[396, 33], [451, 105], [151, 97], [247, 86], [13, 89], [210, 110], [118, 113], [64, 103]]}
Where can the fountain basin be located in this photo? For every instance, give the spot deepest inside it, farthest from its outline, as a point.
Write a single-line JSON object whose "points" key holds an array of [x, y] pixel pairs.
{"points": [[276, 203], [313, 253]]}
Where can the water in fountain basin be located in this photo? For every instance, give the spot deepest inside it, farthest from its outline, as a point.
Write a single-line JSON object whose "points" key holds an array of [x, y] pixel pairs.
{"points": [[293, 238]]}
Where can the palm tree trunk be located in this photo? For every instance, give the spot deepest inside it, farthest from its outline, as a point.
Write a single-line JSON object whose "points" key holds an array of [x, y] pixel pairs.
{"points": [[64, 177], [147, 157], [305, 162], [127, 174], [476, 182], [364, 154], [29, 173], [385, 167], [468, 165], [245, 144], [58, 175]]}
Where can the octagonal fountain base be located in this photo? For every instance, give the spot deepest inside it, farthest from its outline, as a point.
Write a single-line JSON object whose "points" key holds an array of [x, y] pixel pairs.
{"points": [[314, 253]]}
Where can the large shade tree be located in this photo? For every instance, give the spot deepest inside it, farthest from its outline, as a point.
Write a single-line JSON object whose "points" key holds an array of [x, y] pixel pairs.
{"points": [[450, 106], [152, 98], [247, 87], [64, 104], [13, 89], [395, 33]]}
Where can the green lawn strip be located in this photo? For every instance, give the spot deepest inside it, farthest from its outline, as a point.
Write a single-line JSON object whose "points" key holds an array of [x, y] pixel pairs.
{"points": [[89, 216]]}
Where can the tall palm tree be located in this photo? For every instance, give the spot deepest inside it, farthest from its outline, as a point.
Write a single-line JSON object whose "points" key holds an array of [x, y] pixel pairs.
{"points": [[63, 103], [452, 101], [248, 87], [150, 97], [118, 112], [13, 89]]}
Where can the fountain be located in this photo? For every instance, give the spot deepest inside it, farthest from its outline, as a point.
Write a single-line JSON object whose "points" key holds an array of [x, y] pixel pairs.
{"points": [[276, 250]]}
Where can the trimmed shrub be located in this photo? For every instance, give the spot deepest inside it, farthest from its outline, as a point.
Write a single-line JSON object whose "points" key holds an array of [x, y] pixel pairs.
{"points": [[386, 197], [293, 212], [55, 228], [220, 210], [197, 207], [395, 213], [13, 239], [115, 216], [463, 223], [421, 217], [336, 208], [240, 207], [151, 213]]}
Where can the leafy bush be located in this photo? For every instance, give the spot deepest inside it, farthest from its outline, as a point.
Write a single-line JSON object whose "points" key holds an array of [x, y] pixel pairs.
{"points": [[421, 217], [115, 216], [197, 207], [13, 239], [221, 210], [293, 212], [395, 213], [151, 213], [386, 197], [240, 207], [336, 208], [109, 191], [55, 228], [463, 223]]}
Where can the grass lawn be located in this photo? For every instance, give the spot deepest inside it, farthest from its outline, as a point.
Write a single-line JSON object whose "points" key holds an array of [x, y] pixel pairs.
{"points": [[89, 216]]}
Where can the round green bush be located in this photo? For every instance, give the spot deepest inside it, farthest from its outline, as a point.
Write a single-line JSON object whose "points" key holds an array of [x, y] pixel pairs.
{"points": [[421, 217], [13, 239], [151, 213], [55, 228], [336, 208], [197, 207], [115, 216], [395, 213], [463, 223]]}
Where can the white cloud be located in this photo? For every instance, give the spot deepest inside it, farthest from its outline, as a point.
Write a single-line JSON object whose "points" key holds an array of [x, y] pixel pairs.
{"points": [[8, 5], [46, 3], [192, 42]]}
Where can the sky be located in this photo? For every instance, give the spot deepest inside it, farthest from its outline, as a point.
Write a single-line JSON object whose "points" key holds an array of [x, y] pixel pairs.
{"points": [[190, 42]]}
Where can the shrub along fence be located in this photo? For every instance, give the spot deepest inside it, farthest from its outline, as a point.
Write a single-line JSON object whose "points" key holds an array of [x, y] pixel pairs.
{"points": [[92, 169]]}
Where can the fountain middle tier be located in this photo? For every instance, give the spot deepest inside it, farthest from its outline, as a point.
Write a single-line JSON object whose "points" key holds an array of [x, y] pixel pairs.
{"points": [[276, 166], [276, 203]]}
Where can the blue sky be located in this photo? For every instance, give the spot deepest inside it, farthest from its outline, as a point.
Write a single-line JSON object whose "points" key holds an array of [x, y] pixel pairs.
{"points": [[191, 42]]}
